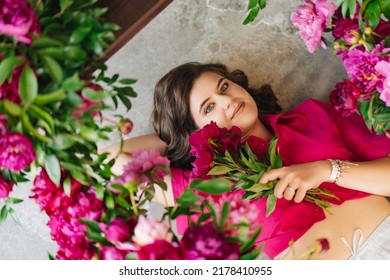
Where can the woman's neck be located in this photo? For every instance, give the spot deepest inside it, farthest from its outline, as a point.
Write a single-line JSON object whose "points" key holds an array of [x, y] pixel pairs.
{"points": [[260, 131]]}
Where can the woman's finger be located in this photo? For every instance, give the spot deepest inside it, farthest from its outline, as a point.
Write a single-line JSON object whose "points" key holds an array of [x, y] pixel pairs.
{"points": [[271, 175]]}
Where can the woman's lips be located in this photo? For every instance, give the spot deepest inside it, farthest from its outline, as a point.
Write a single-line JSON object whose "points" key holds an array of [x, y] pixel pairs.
{"points": [[238, 109]]}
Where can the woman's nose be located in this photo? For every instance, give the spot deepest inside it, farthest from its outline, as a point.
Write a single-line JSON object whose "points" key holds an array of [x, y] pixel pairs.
{"points": [[226, 101]]}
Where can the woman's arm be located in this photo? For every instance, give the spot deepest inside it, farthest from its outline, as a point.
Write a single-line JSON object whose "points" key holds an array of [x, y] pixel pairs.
{"points": [[369, 176]]}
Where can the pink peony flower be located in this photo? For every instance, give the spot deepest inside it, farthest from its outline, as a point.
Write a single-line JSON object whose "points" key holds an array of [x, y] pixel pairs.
{"points": [[69, 232], [16, 151], [241, 211], [118, 230], [3, 125], [345, 97], [143, 161], [10, 88], [148, 230], [5, 187], [311, 20], [205, 243], [360, 66], [112, 253], [159, 250], [18, 19], [383, 68]]}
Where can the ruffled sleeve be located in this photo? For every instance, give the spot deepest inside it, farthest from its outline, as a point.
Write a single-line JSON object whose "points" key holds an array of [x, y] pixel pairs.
{"points": [[363, 143]]}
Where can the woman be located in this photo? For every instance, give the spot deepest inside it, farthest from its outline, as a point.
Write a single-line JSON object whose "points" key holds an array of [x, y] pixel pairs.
{"points": [[358, 225]]}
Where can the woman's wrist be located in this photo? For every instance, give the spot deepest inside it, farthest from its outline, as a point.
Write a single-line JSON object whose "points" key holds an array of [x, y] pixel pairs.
{"points": [[339, 168]]}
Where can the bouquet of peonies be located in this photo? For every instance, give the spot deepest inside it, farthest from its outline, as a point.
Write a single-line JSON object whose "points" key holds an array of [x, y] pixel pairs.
{"points": [[113, 224], [219, 152], [361, 38]]}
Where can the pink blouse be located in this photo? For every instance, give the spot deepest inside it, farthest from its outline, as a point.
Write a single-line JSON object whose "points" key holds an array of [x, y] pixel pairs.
{"points": [[311, 131]]}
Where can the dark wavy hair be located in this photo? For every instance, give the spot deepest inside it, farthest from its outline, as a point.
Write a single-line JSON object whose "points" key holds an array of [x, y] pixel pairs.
{"points": [[171, 116]]}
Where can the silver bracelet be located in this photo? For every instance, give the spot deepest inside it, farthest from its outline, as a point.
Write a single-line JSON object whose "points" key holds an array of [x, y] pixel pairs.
{"points": [[339, 169]]}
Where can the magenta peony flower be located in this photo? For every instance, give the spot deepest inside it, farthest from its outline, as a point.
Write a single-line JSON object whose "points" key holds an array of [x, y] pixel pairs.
{"points": [[204, 243], [209, 140], [18, 19], [360, 66], [69, 232], [241, 211], [16, 151], [148, 230], [345, 97], [5, 187], [143, 161], [347, 30], [159, 250], [118, 230], [49, 196], [3, 125], [10, 88], [383, 68], [311, 20], [112, 253]]}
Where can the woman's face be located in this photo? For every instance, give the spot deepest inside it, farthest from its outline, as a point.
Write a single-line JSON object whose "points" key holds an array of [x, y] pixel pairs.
{"points": [[214, 98]]}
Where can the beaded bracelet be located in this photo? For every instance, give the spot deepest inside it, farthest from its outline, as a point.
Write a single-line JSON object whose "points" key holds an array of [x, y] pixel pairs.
{"points": [[338, 169]]}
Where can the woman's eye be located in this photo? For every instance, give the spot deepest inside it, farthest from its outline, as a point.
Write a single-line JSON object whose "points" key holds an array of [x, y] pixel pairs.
{"points": [[224, 87], [208, 109]]}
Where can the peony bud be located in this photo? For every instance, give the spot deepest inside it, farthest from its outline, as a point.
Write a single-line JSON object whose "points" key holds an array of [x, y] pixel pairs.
{"points": [[125, 126], [368, 30]]}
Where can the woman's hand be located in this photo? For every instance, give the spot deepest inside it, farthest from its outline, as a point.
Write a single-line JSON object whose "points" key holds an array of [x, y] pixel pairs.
{"points": [[295, 180]]}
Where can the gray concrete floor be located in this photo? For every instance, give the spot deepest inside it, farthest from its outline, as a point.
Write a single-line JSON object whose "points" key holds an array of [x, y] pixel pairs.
{"points": [[269, 50]]}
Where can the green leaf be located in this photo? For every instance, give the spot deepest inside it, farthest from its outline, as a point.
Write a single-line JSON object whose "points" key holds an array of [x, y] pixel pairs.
{"points": [[92, 225], [44, 116], [252, 4], [53, 68], [213, 186], [3, 213], [75, 54], [28, 85], [12, 108], [67, 186], [385, 6], [31, 129], [7, 65], [53, 168], [62, 141], [351, 8], [219, 170], [110, 203], [65, 4], [14, 200], [271, 204], [94, 95], [47, 98], [272, 149], [225, 213], [251, 16], [188, 198], [72, 83], [79, 34], [127, 81], [372, 14]]}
